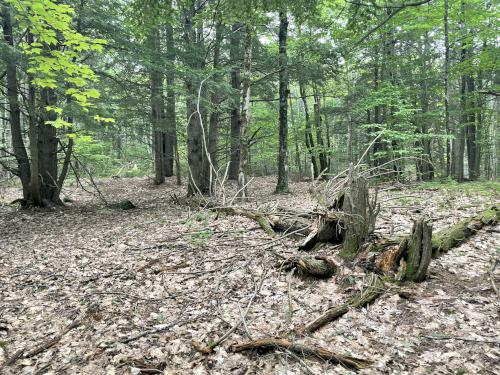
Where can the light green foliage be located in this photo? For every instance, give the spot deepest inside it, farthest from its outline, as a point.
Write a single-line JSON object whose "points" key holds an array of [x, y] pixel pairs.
{"points": [[102, 160], [55, 52]]}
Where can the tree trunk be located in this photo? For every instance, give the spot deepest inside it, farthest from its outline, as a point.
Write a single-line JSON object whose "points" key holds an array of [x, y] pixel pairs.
{"points": [[234, 57], [213, 130], [323, 162], [198, 175], [425, 168], [47, 154], [21, 155], [157, 110], [471, 134], [308, 133], [459, 143], [170, 118], [282, 186], [360, 213], [296, 140], [447, 89], [245, 114]]}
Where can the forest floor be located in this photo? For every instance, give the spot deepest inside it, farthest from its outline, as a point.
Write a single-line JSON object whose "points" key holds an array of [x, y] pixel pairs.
{"points": [[146, 282]]}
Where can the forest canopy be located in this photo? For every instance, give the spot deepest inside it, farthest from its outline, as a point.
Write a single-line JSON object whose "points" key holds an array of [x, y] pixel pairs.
{"points": [[207, 88]]}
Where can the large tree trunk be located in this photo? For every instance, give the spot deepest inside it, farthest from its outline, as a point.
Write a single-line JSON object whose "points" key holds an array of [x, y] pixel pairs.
{"points": [[282, 186], [198, 173], [234, 57], [21, 155], [48, 189]]}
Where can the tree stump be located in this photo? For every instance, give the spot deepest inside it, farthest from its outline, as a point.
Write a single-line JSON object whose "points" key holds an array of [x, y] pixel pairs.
{"points": [[359, 214], [419, 251]]}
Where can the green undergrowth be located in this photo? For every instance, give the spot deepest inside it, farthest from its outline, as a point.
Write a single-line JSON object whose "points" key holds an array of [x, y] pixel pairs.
{"points": [[486, 188]]}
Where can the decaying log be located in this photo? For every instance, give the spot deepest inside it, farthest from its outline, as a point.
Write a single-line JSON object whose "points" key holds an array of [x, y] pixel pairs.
{"points": [[288, 221], [409, 257], [448, 238], [317, 266], [327, 228], [267, 344]]}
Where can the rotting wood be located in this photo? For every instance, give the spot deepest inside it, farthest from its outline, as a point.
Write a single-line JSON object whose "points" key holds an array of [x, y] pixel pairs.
{"points": [[281, 220], [419, 250], [392, 256], [450, 237], [317, 266], [266, 344], [360, 213]]}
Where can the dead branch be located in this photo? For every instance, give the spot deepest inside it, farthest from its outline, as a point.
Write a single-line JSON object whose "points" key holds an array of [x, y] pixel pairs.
{"points": [[266, 344], [374, 289], [209, 348], [328, 316], [46, 344]]}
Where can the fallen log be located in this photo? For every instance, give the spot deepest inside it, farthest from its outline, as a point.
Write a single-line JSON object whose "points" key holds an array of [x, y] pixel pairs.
{"points": [[408, 258], [288, 221], [453, 236], [267, 344]]}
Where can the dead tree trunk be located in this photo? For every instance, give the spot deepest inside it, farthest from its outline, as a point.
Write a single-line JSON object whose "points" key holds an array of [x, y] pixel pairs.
{"points": [[419, 250], [359, 214]]}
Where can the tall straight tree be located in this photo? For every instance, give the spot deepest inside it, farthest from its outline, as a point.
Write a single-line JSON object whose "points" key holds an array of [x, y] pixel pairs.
{"points": [[245, 113], [157, 109], [447, 87], [235, 77], [18, 146], [282, 186], [170, 116], [196, 141]]}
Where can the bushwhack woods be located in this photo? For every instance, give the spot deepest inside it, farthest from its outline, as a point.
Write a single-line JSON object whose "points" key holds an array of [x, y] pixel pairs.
{"points": [[249, 187]]}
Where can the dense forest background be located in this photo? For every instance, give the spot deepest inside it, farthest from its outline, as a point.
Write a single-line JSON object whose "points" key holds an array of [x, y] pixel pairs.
{"points": [[219, 89]]}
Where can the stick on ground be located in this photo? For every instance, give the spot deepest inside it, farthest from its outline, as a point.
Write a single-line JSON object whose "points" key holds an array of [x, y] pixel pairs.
{"points": [[318, 352]]}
